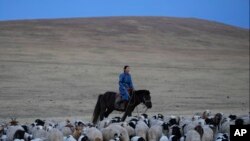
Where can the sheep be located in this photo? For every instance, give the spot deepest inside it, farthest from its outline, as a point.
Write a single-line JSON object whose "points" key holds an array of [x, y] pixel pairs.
{"points": [[192, 135], [83, 138], [22, 135], [198, 134], [206, 114], [19, 140], [232, 117], [123, 133], [49, 125], [217, 121], [222, 137], [111, 130], [11, 130], [108, 133], [137, 138], [173, 120], [164, 138], [93, 134], [154, 133], [3, 138], [77, 131], [37, 132], [189, 125], [153, 122], [69, 138], [239, 122], [246, 119], [55, 135], [173, 138], [132, 123], [141, 129], [37, 139], [208, 134], [66, 131], [62, 124], [200, 130], [104, 123], [175, 132], [116, 138], [39, 122], [130, 130], [79, 123], [225, 127]]}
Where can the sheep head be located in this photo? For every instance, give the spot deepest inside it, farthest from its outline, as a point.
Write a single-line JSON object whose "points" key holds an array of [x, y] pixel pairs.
{"points": [[13, 122]]}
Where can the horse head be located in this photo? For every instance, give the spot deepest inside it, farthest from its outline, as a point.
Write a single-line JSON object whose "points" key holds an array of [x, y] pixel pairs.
{"points": [[145, 97]]}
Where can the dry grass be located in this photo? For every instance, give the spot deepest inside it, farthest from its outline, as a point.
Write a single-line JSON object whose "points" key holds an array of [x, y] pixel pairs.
{"points": [[56, 68]]}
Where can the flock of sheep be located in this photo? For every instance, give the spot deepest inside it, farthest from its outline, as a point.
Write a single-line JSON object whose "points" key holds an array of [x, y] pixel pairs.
{"points": [[200, 127]]}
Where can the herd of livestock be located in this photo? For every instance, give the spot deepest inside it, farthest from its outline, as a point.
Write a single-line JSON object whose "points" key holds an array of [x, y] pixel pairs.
{"points": [[199, 127]]}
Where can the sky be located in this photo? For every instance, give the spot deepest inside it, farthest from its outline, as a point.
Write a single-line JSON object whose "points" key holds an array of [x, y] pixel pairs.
{"points": [[232, 12]]}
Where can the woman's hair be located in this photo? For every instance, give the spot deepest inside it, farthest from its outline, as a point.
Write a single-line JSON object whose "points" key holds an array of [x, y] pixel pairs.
{"points": [[125, 67]]}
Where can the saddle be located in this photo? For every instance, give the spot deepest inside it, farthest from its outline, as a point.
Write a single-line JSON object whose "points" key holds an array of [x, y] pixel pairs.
{"points": [[118, 105], [121, 106]]}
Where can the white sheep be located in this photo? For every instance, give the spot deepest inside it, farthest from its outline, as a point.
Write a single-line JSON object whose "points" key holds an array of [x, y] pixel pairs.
{"points": [[206, 114], [208, 134], [192, 135], [116, 138], [11, 130], [154, 133], [225, 127], [93, 134], [55, 135], [153, 122], [130, 130], [110, 131], [37, 139], [104, 123], [83, 138], [164, 138], [69, 138], [3, 138], [137, 138], [19, 140], [222, 137], [37, 132], [66, 131], [141, 129]]}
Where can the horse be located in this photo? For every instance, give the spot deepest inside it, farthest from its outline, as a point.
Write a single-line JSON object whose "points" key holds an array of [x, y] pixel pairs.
{"points": [[106, 104]]}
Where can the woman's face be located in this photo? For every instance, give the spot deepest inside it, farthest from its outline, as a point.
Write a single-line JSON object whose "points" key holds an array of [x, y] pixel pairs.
{"points": [[127, 69]]}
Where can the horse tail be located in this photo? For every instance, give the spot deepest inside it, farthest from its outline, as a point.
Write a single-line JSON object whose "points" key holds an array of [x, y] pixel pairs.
{"points": [[97, 109]]}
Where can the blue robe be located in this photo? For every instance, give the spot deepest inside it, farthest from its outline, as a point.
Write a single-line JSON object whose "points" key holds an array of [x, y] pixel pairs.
{"points": [[125, 83]]}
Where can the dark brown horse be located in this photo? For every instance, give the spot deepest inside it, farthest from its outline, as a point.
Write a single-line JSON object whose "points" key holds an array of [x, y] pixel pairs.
{"points": [[106, 104]]}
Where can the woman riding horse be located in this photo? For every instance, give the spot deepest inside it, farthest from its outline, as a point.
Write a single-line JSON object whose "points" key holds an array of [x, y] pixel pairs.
{"points": [[125, 86], [106, 102]]}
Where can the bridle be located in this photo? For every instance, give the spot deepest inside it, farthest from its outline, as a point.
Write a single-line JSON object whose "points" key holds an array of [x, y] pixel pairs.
{"points": [[146, 100]]}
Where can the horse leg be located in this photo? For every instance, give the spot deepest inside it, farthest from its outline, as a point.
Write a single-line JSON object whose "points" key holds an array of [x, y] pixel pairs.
{"points": [[106, 114], [130, 112], [103, 109]]}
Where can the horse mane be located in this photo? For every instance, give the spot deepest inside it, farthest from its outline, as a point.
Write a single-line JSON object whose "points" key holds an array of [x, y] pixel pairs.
{"points": [[142, 92]]}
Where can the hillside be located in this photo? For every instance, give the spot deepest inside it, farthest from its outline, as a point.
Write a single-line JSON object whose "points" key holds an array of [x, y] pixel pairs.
{"points": [[57, 68]]}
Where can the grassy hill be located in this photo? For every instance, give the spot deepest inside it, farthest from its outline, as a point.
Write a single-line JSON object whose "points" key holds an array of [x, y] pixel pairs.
{"points": [[51, 68]]}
